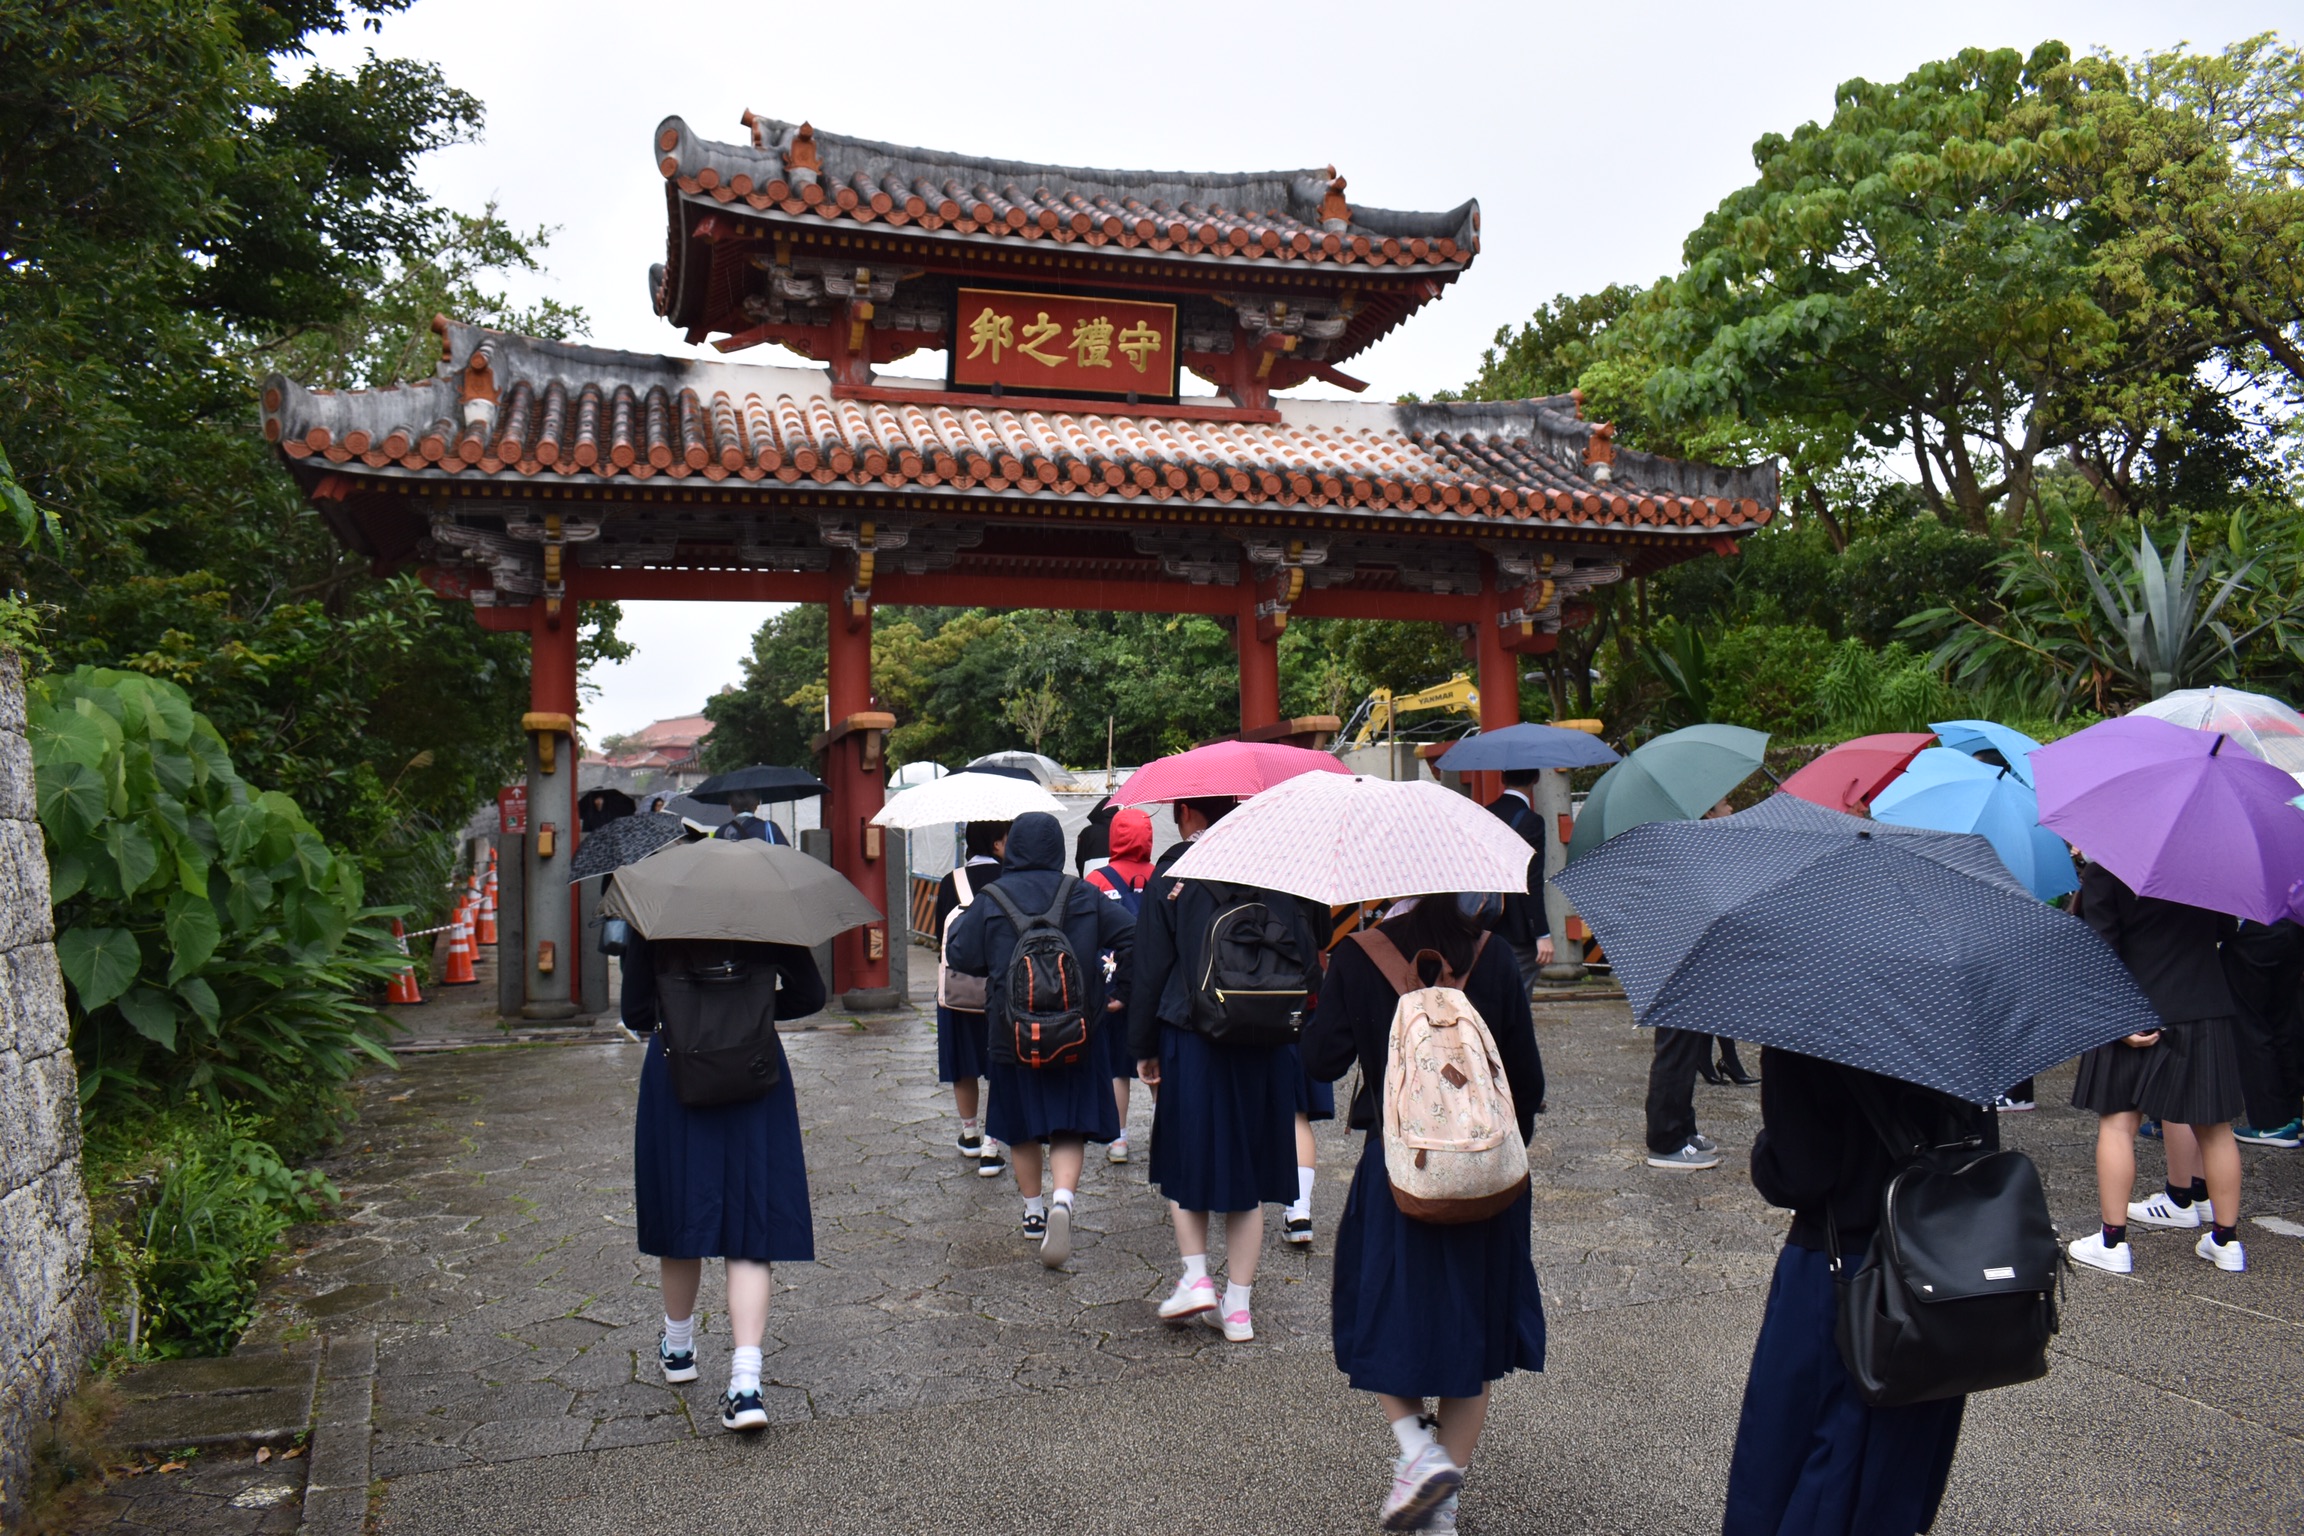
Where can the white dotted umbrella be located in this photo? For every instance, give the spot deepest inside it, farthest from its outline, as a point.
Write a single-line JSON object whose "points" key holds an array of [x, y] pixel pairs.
{"points": [[1342, 839]]}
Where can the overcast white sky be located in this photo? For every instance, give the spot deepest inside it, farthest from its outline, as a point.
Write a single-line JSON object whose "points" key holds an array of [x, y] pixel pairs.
{"points": [[1594, 135]]}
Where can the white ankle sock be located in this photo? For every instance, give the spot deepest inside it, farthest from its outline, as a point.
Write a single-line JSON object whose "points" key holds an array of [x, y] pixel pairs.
{"points": [[1235, 1298], [744, 1368], [1195, 1267], [1063, 1197], [1035, 1206], [1412, 1433], [1305, 1179], [967, 1128], [680, 1337]]}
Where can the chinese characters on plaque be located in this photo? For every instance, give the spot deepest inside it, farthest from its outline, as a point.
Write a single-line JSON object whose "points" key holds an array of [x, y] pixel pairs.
{"points": [[1062, 344]]}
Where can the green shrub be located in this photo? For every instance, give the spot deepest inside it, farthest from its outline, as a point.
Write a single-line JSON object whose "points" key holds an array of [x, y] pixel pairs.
{"points": [[214, 945], [1766, 675], [1922, 564], [1863, 690], [190, 1206]]}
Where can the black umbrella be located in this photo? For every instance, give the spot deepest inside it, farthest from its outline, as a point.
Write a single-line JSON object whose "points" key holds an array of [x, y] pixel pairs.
{"points": [[622, 841], [1002, 770], [597, 807], [1906, 952], [761, 780]]}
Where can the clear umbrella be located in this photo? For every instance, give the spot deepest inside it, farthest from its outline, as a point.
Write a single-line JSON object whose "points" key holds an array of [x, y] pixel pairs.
{"points": [[2265, 726]]}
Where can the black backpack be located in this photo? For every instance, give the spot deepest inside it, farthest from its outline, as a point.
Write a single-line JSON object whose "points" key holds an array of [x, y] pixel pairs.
{"points": [[1259, 965], [1957, 1293], [717, 1006], [1044, 1014]]}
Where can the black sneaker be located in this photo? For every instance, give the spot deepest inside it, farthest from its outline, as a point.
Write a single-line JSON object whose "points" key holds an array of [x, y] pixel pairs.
{"points": [[1035, 1225], [994, 1162], [1298, 1231], [680, 1366], [970, 1146], [743, 1410]]}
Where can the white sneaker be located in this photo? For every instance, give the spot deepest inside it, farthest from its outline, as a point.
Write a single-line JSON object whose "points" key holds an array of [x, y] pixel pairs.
{"points": [[2118, 1259], [2229, 1257], [1117, 1152], [1420, 1485], [1190, 1299], [1056, 1245], [1442, 1521], [1237, 1327], [2160, 1211]]}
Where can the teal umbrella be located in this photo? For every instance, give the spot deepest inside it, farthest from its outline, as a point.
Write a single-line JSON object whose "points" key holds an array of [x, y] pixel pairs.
{"points": [[1676, 777]]}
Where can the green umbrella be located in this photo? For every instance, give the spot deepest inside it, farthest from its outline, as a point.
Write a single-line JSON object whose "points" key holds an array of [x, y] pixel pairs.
{"points": [[1677, 777], [751, 892]]}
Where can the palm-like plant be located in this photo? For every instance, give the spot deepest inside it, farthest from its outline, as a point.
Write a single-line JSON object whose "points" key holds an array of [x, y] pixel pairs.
{"points": [[2159, 613]]}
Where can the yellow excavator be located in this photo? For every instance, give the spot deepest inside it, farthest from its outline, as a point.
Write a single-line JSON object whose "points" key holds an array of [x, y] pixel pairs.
{"points": [[1373, 720]]}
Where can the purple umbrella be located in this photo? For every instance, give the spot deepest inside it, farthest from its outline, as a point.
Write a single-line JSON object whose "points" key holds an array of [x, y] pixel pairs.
{"points": [[2175, 815]]}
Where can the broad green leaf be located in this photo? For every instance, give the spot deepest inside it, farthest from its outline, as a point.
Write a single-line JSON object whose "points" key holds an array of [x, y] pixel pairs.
{"points": [[133, 853], [201, 999], [169, 713], [153, 1014], [99, 962], [67, 876], [193, 934], [71, 796], [250, 898], [173, 767], [70, 735], [239, 828]]}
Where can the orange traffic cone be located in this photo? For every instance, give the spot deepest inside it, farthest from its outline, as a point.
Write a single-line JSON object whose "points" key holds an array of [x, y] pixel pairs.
{"points": [[487, 922], [460, 972], [402, 989]]}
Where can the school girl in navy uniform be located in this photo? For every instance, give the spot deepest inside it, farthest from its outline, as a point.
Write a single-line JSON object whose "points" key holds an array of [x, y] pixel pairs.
{"points": [[1126, 870], [1224, 1115], [963, 1056], [726, 1181], [1419, 1310], [1065, 1106]]}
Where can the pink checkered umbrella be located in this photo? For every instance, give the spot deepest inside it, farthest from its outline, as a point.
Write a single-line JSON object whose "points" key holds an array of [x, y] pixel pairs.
{"points": [[1343, 839], [1235, 768]]}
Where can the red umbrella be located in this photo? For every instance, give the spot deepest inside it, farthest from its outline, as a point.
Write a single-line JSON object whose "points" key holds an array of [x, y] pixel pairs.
{"points": [[1235, 768], [1847, 777]]}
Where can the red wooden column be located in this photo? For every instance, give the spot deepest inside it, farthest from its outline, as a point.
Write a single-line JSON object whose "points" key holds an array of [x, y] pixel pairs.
{"points": [[1499, 678], [552, 938], [855, 778], [1258, 642]]}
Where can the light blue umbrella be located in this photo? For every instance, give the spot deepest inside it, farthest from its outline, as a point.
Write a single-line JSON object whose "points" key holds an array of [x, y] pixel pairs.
{"points": [[1948, 791], [1974, 736]]}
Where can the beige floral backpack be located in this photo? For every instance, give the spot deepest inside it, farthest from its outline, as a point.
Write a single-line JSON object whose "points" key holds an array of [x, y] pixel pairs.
{"points": [[1452, 1146]]}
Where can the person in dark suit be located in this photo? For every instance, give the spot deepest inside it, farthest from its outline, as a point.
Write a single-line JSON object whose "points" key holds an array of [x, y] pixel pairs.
{"points": [[2185, 1074], [2264, 963], [1810, 1455], [1523, 925], [746, 824], [727, 1181], [1094, 842]]}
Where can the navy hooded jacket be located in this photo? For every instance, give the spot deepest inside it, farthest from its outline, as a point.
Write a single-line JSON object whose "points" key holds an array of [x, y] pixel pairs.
{"points": [[983, 939]]}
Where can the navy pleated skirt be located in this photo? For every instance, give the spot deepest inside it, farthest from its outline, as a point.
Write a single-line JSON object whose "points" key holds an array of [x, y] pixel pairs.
{"points": [[1811, 1459], [963, 1051], [1112, 1045], [1035, 1103], [1315, 1100], [1420, 1310], [725, 1182], [2189, 1076], [1224, 1128]]}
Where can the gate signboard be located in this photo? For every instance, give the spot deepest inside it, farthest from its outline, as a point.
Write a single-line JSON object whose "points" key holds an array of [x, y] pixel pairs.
{"points": [[1062, 344]]}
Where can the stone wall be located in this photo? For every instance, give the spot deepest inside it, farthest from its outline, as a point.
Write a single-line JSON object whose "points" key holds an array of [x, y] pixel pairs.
{"points": [[48, 1314]]}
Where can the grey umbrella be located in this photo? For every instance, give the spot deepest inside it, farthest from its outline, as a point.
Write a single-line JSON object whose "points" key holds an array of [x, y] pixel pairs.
{"points": [[1906, 952], [752, 892], [617, 843]]}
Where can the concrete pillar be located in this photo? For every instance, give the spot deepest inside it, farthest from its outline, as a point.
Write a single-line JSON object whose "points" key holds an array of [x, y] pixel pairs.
{"points": [[551, 953], [1552, 805], [855, 776]]}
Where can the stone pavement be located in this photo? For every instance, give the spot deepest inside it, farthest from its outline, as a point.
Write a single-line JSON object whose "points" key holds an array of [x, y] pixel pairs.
{"points": [[927, 1375]]}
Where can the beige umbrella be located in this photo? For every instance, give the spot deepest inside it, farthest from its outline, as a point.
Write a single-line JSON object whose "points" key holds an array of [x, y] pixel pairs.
{"points": [[750, 892]]}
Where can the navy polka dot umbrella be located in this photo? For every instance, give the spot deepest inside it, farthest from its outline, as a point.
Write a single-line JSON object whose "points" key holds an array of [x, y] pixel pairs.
{"points": [[1902, 951]]}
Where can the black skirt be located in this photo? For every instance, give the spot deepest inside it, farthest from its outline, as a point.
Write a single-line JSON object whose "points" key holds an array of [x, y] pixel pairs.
{"points": [[2190, 1076]]}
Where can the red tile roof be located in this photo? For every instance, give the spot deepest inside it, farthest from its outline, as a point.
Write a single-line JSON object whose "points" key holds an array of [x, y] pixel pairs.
{"points": [[507, 409], [1275, 216]]}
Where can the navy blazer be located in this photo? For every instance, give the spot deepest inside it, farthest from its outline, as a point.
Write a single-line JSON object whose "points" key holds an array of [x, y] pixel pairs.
{"points": [[2170, 948]]}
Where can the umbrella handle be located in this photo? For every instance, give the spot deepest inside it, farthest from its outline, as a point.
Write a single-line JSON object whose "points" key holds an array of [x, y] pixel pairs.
{"points": [[1770, 777]]}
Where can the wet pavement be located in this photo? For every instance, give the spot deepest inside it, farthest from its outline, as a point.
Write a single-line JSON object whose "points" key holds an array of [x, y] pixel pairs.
{"points": [[927, 1374]]}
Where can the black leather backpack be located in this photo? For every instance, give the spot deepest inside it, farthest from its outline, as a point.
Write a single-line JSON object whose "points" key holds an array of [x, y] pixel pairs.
{"points": [[717, 1004], [1259, 966], [1958, 1291]]}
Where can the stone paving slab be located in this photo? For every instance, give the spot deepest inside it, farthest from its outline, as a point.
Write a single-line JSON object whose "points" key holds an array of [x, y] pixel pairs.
{"points": [[261, 1397], [926, 1373]]}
